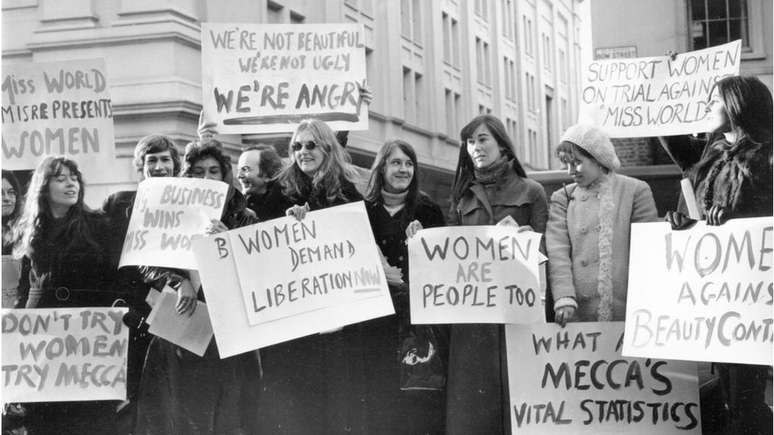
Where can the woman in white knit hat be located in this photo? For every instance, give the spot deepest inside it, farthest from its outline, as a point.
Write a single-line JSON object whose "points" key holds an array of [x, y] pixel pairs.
{"points": [[589, 223]]}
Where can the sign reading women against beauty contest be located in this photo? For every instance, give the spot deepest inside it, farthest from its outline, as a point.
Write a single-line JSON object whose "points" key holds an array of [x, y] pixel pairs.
{"points": [[283, 279], [703, 294], [59, 108], [64, 354], [259, 78], [168, 212], [656, 96], [475, 274], [574, 380]]}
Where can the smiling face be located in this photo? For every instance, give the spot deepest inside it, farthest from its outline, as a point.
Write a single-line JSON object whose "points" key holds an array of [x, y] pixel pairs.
{"points": [[482, 147], [308, 160], [716, 113], [584, 171], [207, 168], [9, 198], [249, 174], [63, 189], [158, 165], [398, 171]]}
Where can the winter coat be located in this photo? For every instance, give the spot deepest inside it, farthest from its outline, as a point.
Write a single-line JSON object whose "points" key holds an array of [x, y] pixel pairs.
{"points": [[477, 388], [588, 243]]}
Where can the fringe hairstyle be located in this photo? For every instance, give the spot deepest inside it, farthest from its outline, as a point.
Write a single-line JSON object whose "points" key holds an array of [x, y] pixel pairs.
{"points": [[196, 151], [376, 182], [156, 143], [464, 175], [36, 215], [327, 180]]}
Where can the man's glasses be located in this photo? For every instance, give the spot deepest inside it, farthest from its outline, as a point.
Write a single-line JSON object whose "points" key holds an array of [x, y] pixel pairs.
{"points": [[296, 146]]}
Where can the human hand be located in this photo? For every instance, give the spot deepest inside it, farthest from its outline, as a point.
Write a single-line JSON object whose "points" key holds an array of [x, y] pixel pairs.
{"points": [[716, 215], [215, 226], [366, 94], [412, 228], [186, 298], [679, 221], [564, 314], [672, 54], [206, 129], [298, 211], [524, 228]]}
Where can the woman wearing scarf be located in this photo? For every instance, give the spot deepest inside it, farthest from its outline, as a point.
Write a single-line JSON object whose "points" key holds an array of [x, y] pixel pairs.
{"points": [[589, 227], [489, 185]]}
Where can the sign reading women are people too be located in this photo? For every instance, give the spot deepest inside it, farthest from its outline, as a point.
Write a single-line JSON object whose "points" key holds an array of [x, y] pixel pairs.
{"points": [[259, 78], [64, 354], [703, 294], [168, 212], [655, 96], [283, 279], [574, 380], [59, 108], [475, 274]]}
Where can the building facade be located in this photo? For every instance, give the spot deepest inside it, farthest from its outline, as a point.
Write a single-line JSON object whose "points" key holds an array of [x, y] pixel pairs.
{"points": [[432, 65]]}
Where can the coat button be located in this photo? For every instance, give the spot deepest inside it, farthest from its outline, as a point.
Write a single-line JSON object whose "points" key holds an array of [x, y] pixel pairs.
{"points": [[400, 258], [584, 263], [347, 428], [584, 230]]}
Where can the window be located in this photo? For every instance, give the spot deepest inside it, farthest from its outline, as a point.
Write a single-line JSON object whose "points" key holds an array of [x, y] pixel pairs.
{"points": [[528, 48], [408, 94], [483, 65], [487, 66], [455, 43], [451, 124], [509, 71], [416, 18], [547, 52], [420, 114], [565, 115], [715, 22], [507, 18], [562, 66], [480, 8], [446, 38]]}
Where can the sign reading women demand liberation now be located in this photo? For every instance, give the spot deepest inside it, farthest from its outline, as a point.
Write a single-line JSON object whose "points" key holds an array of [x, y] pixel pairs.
{"points": [[703, 294], [656, 96], [259, 78], [59, 108], [64, 354], [475, 274], [167, 213], [574, 380], [284, 279]]}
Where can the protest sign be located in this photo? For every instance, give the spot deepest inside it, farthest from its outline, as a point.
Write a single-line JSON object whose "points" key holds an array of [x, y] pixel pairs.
{"points": [[703, 294], [574, 380], [259, 78], [475, 274], [191, 332], [59, 108], [284, 279], [64, 354], [655, 96], [167, 213]]}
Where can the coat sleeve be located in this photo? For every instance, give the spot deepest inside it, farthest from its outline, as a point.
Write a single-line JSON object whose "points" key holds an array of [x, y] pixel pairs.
{"points": [[539, 210], [644, 207], [454, 217], [559, 248]]}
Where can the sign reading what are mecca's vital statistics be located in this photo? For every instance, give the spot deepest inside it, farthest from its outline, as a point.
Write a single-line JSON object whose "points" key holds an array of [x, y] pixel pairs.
{"points": [[259, 78], [655, 96], [702, 294], [58, 108]]}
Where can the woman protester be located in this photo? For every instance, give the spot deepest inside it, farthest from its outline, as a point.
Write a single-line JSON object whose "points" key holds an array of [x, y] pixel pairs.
{"points": [[589, 229], [63, 248], [11, 208], [180, 392], [404, 395], [311, 384], [489, 185], [731, 176]]}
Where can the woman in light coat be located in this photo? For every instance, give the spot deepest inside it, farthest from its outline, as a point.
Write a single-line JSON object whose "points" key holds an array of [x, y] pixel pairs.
{"points": [[589, 227]]}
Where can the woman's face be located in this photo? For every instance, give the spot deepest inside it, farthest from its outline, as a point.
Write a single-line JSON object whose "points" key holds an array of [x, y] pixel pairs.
{"points": [[63, 188], [583, 170], [483, 148], [716, 113], [307, 153], [207, 168], [398, 171], [9, 198]]}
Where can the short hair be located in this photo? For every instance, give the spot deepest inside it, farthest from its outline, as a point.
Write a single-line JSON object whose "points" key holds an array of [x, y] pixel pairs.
{"points": [[270, 163], [155, 143], [573, 149], [196, 151]]}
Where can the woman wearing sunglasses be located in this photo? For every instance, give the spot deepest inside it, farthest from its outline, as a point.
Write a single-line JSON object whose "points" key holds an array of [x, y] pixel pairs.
{"points": [[310, 384]]}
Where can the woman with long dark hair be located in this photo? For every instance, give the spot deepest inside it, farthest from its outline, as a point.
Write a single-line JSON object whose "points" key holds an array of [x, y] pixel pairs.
{"points": [[12, 203], [63, 249], [489, 185], [731, 176], [180, 392], [404, 394]]}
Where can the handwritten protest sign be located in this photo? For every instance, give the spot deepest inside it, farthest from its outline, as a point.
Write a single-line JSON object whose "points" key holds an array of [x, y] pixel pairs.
{"points": [[167, 213], [283, 279], [192, 332], [475, 274], [64, 354], [655, 96], [60, 108], [259, 78], [703, 294], [574, 380]]}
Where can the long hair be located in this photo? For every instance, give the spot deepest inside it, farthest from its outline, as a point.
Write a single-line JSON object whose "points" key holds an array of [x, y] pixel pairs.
{"points": [[155, 143], [464, 175], [327, 179], [36, 216], [376, 182], [748, 106], [196, 151], [14, 182]]}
